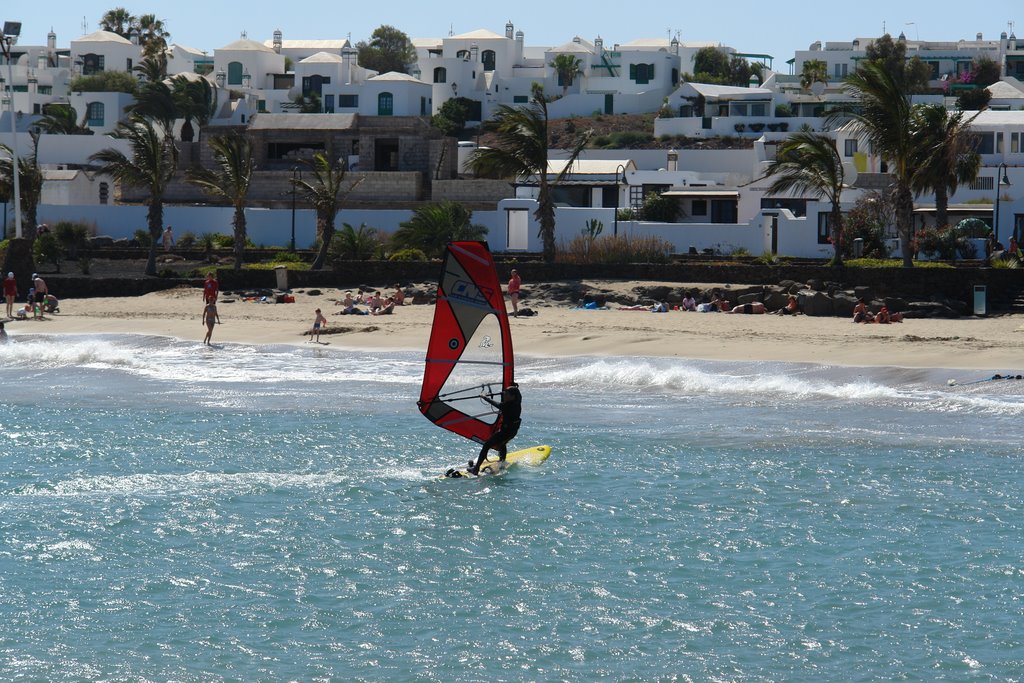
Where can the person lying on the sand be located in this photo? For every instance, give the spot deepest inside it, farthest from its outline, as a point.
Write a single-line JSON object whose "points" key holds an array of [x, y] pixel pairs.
{"points": [[754, 307]]}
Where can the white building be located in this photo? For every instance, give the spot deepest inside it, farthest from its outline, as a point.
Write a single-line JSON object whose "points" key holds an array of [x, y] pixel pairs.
{"points": [[104, 51]]}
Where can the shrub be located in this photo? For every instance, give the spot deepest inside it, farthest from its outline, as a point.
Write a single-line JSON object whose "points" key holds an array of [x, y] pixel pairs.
{"points": [[73, 237], [659, 209], [353, 244], [106, 81], [187, 240], [408, 255], [616, 249], [783, 110], [46, 249], [143, 238], [286, 257]]}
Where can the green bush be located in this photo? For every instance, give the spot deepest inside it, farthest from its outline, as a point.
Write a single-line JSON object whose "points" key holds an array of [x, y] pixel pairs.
{"points": [[659, 209], [46, 249], [73, 237], [286, 257], [106, 81], [143, 237], [187, 240], [408, 255]]}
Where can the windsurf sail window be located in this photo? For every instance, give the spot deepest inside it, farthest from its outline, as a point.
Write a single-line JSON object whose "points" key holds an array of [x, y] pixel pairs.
{"points": [[470, 347]]}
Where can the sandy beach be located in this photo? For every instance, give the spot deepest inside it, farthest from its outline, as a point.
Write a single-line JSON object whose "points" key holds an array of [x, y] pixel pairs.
{"points": [[992, 343]]}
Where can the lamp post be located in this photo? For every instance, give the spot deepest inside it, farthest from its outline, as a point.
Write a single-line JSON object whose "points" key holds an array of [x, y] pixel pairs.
{"points": [[617, 169], [1001, 182], [10, 33], [296, 177]]}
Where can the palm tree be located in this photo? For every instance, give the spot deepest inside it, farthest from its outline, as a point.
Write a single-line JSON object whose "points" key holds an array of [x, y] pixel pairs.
{"points": [[883, 118], [945, 154], [152, 68], [119, 21], [61, 119], [567, 67], [232, 155], [814, 71], [322, 192], [151, 165], [195, 100], [809, 163], [155, 102], [522, 151], [435, 225], [153, 36], [30, 182]]}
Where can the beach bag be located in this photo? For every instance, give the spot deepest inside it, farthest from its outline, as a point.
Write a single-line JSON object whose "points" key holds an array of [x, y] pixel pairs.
{"points": [[527, 312]]}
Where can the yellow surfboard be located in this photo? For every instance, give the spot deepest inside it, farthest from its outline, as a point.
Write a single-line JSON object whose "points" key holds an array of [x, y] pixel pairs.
{"points": [[527, 456]]}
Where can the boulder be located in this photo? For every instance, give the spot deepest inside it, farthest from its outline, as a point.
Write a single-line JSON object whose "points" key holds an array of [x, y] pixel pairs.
{"points": [[842, 304], [863, 293], [815, 285], [101, 241], [812, 302]]}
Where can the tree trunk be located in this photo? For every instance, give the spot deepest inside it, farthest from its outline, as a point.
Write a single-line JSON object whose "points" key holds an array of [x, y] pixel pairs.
{"points": [[155, 218], [545, 215], [325, 233], [240, 235], [905, 222], [941, 206], [836, 221]]}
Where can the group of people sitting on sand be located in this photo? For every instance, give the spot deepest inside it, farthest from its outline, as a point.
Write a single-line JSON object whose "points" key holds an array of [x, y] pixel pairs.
{"points": [[717, 304], [374, 303], [861, 314]]}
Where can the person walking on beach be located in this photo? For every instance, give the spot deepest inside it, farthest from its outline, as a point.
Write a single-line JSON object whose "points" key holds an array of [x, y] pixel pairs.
{"points": [[168, 239], [314, 335], [210, 289], [513, 291], [210, 318], [10, 293]]}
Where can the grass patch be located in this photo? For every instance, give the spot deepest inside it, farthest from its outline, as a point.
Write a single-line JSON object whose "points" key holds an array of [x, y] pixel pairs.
{"points": [[891, 263]]}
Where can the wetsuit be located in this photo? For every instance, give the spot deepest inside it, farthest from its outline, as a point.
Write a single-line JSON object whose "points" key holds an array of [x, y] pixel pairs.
{"points": [[509, 409]]}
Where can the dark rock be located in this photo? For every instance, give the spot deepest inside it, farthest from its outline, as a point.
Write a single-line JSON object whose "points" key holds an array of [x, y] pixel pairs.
{"points": [[314, 292], [816, 303], [815, 284], [842, 304], [101, 241], [863, 293]]}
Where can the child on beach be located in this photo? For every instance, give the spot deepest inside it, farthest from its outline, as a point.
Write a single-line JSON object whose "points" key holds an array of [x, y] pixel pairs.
{"points": [[314, 335]]}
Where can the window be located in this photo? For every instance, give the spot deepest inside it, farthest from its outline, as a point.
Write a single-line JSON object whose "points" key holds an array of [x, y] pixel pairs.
{"points": [[328, 104], [348, 101], [104, 193], [824, 233], [986, 143], [840, 70], [849, 148], [699, 207], [999, 143], [758, 109], [440, 75], [423, 106], [641, 73], [385, 104], [92, 64], [488, 59], [94, 114], [235, 73], [45, 89], [1015, 143], [261, 105], [462, 54], [314, 84], [520, 99]]}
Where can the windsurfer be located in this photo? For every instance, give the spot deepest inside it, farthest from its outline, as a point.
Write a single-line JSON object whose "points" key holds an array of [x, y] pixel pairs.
{"points": [[509, 410]]}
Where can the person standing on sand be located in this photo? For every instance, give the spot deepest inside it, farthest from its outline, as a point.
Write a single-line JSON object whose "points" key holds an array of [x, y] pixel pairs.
{"points": [[10, 293], [41, 291], [513, 291], [210, 289], [314, 335], [168, 239], [210, 318]]}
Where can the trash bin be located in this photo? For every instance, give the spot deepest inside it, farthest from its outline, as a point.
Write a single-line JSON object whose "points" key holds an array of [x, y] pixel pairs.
{"points": [[282, 277], [858, 247], [980, 295]]}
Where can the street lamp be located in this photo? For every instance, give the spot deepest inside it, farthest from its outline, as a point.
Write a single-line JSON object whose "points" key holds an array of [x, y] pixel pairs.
{"points": [[296, 177], [9, 35], [1001, 182], [617, 169]]}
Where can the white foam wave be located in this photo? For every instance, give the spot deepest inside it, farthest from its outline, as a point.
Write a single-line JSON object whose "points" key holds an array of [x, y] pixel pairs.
{"points": [[168, 484]]}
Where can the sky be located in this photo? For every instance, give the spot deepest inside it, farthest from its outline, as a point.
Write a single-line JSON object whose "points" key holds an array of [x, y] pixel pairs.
{"points": [[775, 28]]}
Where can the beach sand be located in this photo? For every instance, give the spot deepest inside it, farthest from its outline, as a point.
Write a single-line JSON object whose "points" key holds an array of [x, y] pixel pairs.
{"points": [[990, 343]]}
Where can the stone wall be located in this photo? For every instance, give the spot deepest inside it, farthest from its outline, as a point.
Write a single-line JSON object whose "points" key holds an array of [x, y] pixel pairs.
{"points": [[475, 190]]}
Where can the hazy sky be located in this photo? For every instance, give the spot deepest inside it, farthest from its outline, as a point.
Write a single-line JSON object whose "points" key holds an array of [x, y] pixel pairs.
{"points": [[775, 28]]}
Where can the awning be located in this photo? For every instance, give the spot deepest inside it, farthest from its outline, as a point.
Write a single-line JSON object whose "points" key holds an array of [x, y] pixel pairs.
{"points": [[962, 208], [695, 192]]}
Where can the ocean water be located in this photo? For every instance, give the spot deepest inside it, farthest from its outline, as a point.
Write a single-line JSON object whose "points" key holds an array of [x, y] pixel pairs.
{"points": [[170, 512]]}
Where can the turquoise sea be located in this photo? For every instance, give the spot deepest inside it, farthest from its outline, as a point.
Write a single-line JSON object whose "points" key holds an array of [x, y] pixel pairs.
{"points": [[170, 512]]}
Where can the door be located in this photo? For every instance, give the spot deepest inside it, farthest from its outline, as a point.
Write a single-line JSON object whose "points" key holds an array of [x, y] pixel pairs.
{"points": [[609, 104], [518, 229]]}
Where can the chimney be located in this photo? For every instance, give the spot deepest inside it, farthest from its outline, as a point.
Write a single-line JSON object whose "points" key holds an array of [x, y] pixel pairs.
{"points": [[509, 30], [978, 36], [474, 51], [519, 37], [673, 160], [277, 41], [599, 44]]}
